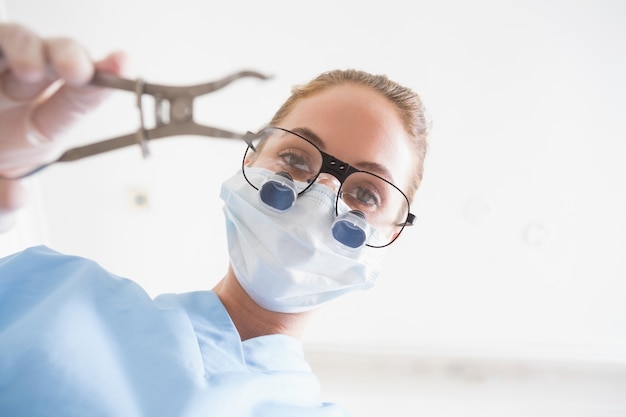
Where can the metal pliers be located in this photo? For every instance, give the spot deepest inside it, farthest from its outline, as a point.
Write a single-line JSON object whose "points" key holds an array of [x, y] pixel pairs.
{"points": [[173, 110]]}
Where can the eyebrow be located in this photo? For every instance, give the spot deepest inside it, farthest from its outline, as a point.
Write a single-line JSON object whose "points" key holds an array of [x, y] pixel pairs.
{"points": [[373, 167]]}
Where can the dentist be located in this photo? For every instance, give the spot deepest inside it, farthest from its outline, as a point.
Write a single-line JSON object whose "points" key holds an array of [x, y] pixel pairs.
{"points": [[323, 191]]}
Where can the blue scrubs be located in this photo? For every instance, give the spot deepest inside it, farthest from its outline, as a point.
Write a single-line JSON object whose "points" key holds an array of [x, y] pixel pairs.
{"points": [[76, 340]]}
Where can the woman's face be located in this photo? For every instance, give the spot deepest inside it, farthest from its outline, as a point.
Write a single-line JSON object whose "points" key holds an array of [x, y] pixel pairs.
{"points": [[358, 126]]}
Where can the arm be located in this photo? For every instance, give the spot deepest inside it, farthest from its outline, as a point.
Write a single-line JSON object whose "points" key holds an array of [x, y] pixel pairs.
{"points": [[43, 91]]}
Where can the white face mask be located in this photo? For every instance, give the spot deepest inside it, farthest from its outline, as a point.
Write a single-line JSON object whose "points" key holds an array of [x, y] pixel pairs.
{"points": [[289, 262]]}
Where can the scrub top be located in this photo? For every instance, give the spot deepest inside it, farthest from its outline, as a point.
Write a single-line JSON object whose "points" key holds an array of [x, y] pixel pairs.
{"points": [[76, 340]]}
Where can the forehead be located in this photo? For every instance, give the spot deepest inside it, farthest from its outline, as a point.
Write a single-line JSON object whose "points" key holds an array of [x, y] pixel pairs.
{"points": [[359, 126]]}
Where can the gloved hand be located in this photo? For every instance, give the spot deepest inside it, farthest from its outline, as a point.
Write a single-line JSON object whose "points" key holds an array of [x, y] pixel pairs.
{"points": [[43, 91]]}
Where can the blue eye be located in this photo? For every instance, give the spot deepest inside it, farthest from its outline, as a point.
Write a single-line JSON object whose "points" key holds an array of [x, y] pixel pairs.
{"points": [[297, 163]]}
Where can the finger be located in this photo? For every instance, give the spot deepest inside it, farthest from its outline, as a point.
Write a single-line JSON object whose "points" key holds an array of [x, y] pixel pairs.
{"points": [[12, 195], [70, 103], [23, 52], [116, 63], [69, 61], [23, 64], [13, 91]]}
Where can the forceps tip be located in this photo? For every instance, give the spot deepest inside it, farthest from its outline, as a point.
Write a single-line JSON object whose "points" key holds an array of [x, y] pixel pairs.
{"points": [[256, 74]]}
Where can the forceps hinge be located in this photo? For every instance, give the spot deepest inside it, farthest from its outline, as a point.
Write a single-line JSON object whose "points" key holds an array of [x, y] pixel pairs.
{"points": [[141, 132], [173, 106]]}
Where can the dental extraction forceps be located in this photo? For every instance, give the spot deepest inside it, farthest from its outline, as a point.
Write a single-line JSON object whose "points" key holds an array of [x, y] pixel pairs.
{"points": [[173, 110]]}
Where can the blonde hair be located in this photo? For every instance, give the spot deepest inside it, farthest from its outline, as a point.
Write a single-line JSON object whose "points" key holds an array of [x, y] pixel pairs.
{"points": [[407, 102]]}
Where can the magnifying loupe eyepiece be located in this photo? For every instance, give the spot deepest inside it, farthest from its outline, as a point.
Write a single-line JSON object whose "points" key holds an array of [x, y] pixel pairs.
{"points": [[278, 192], [351, 229]]}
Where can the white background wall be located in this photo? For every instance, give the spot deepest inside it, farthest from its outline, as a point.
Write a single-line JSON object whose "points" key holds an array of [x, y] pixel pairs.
{"points": [[519, 248]]}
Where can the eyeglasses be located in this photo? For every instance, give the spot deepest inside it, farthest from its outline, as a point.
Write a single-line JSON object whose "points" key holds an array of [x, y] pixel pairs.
{"points": [[383, 205]]}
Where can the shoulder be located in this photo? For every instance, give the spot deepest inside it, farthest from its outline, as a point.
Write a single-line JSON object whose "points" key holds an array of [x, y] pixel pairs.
{"points": [[43, 265], [40, 276], [37, 260]]}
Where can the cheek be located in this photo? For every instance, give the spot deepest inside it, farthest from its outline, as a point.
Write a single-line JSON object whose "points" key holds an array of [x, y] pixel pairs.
{"points": [[256, 160]]}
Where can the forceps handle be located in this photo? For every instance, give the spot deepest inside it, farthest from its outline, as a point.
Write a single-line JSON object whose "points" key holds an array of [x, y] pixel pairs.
{"points": [[182, 123], [105, 79]]}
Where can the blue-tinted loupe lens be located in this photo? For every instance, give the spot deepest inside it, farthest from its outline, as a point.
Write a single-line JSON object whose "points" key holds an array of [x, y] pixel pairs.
{"points": [[278, 192], [351, 229]]}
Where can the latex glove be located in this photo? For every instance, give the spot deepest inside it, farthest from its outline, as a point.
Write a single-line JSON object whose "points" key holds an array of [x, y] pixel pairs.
{"points": [[43, 91]]}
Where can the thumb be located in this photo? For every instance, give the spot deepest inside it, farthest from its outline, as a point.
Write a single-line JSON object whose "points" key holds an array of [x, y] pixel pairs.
{"points": [[67, 104]]}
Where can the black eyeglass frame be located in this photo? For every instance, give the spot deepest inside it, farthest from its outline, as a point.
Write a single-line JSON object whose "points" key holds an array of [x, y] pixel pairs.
{"points": [[337, 168]]}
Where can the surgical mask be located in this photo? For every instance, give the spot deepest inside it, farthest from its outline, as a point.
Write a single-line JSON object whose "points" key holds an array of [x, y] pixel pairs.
{"points": [[288, 261]]}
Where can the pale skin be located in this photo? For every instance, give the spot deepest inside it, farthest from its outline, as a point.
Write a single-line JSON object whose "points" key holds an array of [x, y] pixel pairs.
{"points": [[353, 123]]}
